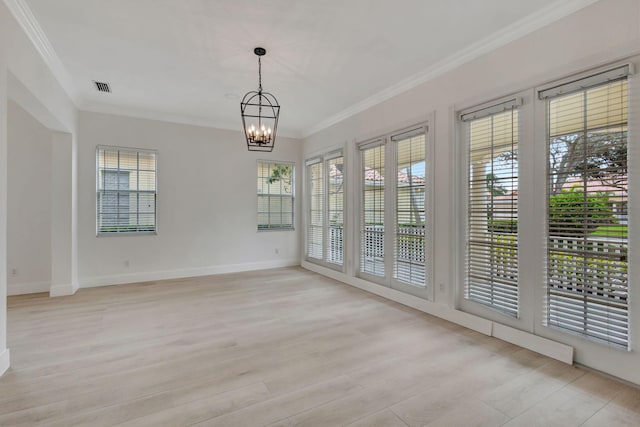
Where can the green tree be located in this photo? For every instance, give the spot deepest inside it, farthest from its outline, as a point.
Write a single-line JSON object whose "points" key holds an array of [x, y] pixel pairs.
{"points": [[281, 173], [600, 156], [608, 164], [494, 188], [572, 212], [595, 155]]}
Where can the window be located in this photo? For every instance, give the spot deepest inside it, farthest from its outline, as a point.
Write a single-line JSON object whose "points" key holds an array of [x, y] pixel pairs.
{"points": [[395, 215], [586, 234], [316, 210], [126, 190], [409, 259], [275, 195], [325, 224], [335, 209], [372, 232], [492, 206]]}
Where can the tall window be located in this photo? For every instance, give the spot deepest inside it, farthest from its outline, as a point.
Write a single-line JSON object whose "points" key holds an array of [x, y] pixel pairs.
{"points": [[587, 281], [126, 190], [393, 222], [409, 259], [492, 203], [325, 224], [315, 225], [335, 209], [275, 195], [372, 222]]}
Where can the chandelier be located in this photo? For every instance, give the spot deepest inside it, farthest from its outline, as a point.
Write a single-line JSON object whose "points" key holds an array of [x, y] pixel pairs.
{"points": [[260, 111]]}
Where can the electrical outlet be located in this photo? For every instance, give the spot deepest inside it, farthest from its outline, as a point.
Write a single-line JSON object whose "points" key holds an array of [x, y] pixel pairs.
{"points": [[277, 251], [441, 285], [14, 271], [126, 263]]}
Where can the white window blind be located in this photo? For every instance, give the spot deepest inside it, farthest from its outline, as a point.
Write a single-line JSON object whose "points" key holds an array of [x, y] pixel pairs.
{"points": [[372, 221], [315, 225], [275, 195], [409, 260], [587, 280], [492, 202], [126, 190], [335, 209], [325, 222]]}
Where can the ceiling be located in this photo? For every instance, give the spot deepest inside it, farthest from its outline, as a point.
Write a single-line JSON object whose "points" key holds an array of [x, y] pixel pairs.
{"points": [[192, 60]]}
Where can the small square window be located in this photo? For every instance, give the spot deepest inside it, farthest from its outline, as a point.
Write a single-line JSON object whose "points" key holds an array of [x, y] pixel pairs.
{"points": [[126, 190]]}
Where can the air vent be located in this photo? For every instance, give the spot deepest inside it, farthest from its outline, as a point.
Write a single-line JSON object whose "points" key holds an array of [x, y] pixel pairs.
{"points": [[102, 87]]}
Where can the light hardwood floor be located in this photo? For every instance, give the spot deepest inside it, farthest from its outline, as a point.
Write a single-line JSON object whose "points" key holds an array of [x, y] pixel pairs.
{"points": [[280, 347]]}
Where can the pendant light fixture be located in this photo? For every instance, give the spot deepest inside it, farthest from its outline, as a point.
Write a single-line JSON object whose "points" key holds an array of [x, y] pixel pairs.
{"points": [[260, 111]]}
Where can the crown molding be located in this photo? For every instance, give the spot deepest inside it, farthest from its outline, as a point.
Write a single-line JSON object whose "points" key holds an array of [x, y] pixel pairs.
{"points": [[30, 25], [182, 119], [518, 29], [557, 10]]}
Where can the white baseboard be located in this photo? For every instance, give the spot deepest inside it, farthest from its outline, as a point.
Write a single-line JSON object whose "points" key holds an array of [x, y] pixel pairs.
{"points": [[63, 290], [553, 349], [5, 361], [461, 318], [119, 279], [27, 288]]}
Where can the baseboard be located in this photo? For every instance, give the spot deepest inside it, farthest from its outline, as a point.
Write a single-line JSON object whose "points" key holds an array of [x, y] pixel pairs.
{"points": [[27, 288], [63, 290], [119, 279], [5, 361], [458, 317], [553, 349], [544, 346]]}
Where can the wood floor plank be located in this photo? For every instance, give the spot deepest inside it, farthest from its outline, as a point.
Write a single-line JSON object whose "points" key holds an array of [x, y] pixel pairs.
{"points": [[281, 347]]}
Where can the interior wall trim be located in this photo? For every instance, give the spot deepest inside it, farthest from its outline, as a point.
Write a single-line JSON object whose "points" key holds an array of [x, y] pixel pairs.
{"points": [[120, 279], [544, 346], [27, 288], [4, 361], [30, 25], [518, 29]]}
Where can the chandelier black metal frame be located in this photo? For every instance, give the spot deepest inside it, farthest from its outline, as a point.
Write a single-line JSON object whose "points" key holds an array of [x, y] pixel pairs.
{"points": [[261, 107]]}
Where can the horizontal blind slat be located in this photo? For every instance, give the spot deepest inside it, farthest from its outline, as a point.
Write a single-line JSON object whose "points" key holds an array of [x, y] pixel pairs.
{"points": [[492, 204], [587, 279]]}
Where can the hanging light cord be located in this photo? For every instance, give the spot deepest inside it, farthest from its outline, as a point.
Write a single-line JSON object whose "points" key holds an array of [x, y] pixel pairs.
{"points": [[259, 74]]}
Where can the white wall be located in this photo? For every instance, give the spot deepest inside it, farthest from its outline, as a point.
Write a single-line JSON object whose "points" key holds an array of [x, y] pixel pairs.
{"points": [[38, 92], [206, 228], [29, 203], [4, 352], [603, 32], [206, 204]]}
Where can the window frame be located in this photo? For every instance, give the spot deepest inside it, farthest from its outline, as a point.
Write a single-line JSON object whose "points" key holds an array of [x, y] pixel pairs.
{"points": [[465, 117], [99, 191], [390, 218], [293, 196], [529, 241], [633, 123], [323, 160]]}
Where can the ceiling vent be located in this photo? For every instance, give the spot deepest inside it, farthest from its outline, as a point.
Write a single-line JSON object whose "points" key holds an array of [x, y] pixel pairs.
{"points": [[102, 87]]}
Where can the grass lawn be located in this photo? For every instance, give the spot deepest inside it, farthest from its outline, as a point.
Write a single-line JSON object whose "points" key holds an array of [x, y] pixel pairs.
{"points": [[611, 231]]}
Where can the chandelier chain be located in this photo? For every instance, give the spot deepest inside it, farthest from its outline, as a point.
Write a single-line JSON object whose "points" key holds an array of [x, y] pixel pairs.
{"points": [[259, 75]]}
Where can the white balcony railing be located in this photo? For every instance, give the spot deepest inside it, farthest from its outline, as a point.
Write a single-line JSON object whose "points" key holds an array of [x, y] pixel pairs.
{"points": [[410, 257]]}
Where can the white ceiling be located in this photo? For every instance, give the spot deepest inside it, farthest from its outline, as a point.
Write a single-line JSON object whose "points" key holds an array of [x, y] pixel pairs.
{"points": [[192, 60]]}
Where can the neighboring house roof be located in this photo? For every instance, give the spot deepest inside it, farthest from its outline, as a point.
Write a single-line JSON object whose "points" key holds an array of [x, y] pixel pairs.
{"points": [[372, 175], [507, 197], [334, 172], [593, 185]]}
